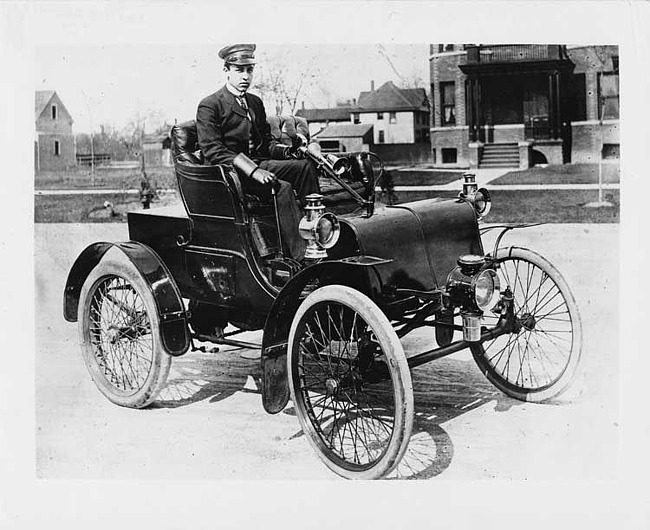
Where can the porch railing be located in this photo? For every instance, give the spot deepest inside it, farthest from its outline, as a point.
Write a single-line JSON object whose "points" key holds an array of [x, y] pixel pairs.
{"points": [[503, 53]]}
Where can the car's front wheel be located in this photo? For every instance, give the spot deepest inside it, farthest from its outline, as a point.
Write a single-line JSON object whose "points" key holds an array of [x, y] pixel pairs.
{"points": [[540, 359], [119, 331], [350, 383]]}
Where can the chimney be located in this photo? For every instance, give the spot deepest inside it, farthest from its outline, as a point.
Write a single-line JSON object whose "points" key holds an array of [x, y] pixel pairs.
{"points": [[372, 85], [303, 105]]}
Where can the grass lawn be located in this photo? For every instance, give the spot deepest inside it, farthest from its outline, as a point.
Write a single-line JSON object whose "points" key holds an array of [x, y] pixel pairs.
{"points": [[418, 177], [90, 208], [105, 178], [564, 174], [552, 206]]}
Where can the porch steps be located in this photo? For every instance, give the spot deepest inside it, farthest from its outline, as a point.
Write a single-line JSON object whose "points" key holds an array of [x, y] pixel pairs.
{"points": [[500, 155]]}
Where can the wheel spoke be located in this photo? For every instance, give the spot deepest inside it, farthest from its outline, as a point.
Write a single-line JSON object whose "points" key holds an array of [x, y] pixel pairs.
{"points": [[120, 334], [353, 419], [536, 355]]}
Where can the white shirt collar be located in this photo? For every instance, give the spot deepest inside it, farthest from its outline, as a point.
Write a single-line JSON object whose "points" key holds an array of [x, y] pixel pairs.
{"points": [[234, 91]]}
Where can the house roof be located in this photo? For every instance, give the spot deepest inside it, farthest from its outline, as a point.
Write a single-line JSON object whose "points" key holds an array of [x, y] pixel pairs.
{"points": [[388, 97], [344, 130], [43, 97], [335, 114]]}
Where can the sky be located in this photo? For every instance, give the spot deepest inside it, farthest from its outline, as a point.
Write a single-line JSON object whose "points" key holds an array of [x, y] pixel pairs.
{"points": [[111, 83]]}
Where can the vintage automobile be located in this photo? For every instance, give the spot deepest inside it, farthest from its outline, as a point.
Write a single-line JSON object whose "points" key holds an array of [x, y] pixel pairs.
{"points": [[331, 323]]}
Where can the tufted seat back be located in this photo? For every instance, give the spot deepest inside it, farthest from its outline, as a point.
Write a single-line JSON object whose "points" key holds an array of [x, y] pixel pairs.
{"points": [[185, 143]]}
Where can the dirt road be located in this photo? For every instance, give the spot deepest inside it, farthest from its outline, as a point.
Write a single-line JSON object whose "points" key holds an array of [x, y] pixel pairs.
{"points": [[209, 421]]}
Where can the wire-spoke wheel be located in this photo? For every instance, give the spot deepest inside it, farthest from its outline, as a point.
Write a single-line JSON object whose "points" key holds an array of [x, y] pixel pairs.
{"points": [[350, 383], [120, 340], [539, 360]]}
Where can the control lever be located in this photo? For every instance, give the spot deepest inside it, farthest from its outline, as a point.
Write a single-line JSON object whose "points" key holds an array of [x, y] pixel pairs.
{"points": [[275, 187]]}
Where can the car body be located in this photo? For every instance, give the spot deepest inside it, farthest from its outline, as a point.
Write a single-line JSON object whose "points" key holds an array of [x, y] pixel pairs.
{"points": [[216, 260]]}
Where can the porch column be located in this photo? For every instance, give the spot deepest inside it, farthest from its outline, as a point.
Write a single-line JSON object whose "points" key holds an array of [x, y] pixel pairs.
{"points": [[477, 109], [471, 123], [558, 111], [551, 104]]}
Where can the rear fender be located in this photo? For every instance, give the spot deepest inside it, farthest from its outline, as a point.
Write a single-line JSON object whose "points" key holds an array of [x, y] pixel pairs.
{"points": [[358, 272], [171, 311]]}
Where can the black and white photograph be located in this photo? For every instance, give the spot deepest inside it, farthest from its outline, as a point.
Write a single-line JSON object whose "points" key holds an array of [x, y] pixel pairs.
{"points": [[260, 269]]}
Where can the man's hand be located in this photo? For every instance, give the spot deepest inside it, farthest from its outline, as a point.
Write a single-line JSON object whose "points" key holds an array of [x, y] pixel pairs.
{"points": [[298, 141], [263, 176]]}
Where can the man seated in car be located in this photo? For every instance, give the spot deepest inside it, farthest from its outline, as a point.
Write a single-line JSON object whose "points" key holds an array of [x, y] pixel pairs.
{"points": [[232, 121]]}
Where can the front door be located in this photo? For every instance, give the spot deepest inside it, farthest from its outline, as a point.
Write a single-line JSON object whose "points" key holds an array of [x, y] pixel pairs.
{"points": [[536, 108]]}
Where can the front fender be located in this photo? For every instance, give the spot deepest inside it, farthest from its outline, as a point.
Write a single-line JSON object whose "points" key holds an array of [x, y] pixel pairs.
{"points": [[171, 311], [357, 272]]}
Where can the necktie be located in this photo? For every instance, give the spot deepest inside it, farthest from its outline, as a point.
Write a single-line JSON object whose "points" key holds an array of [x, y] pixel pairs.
{"points": [[244, 105]]}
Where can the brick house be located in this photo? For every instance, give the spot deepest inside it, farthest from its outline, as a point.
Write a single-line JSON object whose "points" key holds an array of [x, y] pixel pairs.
{"points": [[54, 145], [518, 105]]}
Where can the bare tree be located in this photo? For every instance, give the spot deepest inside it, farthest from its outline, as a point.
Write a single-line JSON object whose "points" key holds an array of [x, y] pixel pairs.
{"points": [[282, 82]]}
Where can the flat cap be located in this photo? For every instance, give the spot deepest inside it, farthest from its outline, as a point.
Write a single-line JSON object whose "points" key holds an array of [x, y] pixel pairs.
{"points": [[238, 54]]}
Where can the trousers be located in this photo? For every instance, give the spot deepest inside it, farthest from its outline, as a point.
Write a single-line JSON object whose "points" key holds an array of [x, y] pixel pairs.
{"points": [[296, 178]]}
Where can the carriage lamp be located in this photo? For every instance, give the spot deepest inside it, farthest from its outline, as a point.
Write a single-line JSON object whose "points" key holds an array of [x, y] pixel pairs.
{"points": [[319, 228], [478, 197], [474, 288]]}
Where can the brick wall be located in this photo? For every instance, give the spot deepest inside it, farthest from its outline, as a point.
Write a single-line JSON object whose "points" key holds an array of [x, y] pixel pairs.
{"points": [[585, 146], [452, 137]]}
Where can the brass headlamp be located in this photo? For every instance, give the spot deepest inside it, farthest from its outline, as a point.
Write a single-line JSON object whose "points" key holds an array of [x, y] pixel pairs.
{"points": [[319, 228], [474, 288], [478, 197]]}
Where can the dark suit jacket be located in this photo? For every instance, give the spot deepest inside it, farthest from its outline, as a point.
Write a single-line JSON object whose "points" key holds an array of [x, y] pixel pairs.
{"points": [[224, 131]]}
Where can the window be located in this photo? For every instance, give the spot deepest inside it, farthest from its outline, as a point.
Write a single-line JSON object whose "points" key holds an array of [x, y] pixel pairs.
{"points": [[54, 109], [608, 101], [330, 146], [445, 48], [448, 156], [57, 148], [577, 97], [392, 117], [380, 115], [611, 151], [355, 117], [448, 103], [381, 137]]}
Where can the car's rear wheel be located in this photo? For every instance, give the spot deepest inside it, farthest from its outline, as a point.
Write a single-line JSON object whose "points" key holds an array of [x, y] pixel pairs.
{"points": [[539, 360], [350, 383], [119, 331]]}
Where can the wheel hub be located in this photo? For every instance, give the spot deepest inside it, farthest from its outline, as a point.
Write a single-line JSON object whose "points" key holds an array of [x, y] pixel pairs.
{"points": [[528, 321], [114, 334], [332, 386]]}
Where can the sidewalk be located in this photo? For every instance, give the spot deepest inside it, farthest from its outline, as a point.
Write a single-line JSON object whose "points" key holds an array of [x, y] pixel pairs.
{"points": [[483, 178]]}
